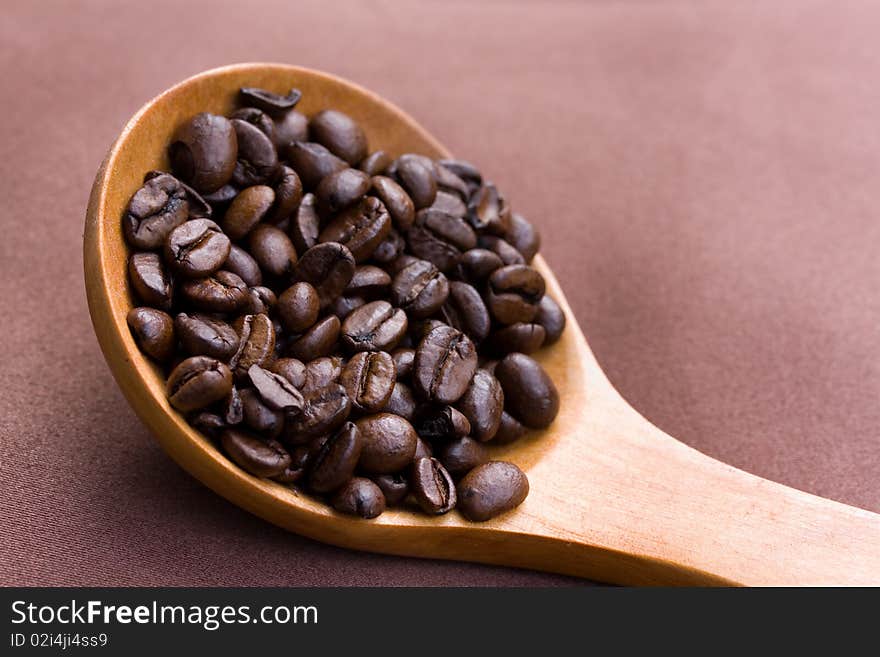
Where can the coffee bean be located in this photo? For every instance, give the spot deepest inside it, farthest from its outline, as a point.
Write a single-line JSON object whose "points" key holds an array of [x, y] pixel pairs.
{"points": [[390, 248], [262, 458], [256, 343], [464, 309], [150, 280], [529, 394], [267, 101], [224, 292], [508, 254], [361, 228], [376, 326], [153, 331], [401, 402], [491, 489], [393, 486], [396, 201], [220, 199], [324, 411], [328, 268], [154, 211], [417, 177], [305, 225], [273, 250], [276, 392], [203, 335], [231, 406], [359, 497], [260, 300], [423, 451], [257, 157], [257, 118], [513, 293], [368, 280], [288, 195], [208, 423], [464, 170], [341, 189], [551, 317], [476, 265], [488, 210], [375, 163], [420, 328], [461, 456], [197, 248], [299, 460], [420, 289], [509, 430], [342, 306], [523, 236], [369, 378], [449, 204], [321, 372], [451, 185], [444, 365], [340, 134], [258, 416], [440, 238], [204, 151], [312, 162], [522, 337], [401, 261], [432, 486], [319, 340], [403, 362], [293, 126], [482, 404], [298, 307], [335, 462], [247, 210], [242, 263], [389, 443], [440, 423], [197, 383], [291, 369]]}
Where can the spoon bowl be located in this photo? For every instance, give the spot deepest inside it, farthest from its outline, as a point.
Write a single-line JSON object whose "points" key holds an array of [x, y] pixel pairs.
{"points": [[612, 497]]}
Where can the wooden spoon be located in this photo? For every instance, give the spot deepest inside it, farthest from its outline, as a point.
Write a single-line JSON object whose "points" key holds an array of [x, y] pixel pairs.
{"points": [[612, 498]]}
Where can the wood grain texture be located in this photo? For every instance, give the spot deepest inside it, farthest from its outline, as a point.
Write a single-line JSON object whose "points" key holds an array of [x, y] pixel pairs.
{"points": [[612, 497]]}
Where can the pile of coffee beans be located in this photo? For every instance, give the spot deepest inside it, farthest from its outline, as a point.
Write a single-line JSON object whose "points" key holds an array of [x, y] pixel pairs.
{"points": [[352, 323]]}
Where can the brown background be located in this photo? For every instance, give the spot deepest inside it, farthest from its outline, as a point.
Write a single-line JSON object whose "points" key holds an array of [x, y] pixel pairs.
{"points": [[704, 174]]}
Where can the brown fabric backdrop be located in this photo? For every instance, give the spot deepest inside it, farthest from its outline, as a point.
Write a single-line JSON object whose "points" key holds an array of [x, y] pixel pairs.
{"points": [[704, 174]]}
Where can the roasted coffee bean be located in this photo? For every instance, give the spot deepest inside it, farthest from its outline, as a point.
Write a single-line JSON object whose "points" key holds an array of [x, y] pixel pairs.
{"points": [[432, 486], [321, 372], [204, 151], [423, 451], [450, 184], [440, 423], [416, 176], [420, 328], [197, 248], [488, 364], [476, 265], [319, 340], [368, 280], [375, 163], [299, 461], [150, 280], [256, 343], [450, 204], [324, 411], [267, 101], [340, 134], [220, 199], [464, 170], [524, 237], [491, 489], [305, 225], [242, 263], [522, 337], [203, 335], [507, 252], [247, 210], [360, 228], [154, 211], [153, 331], [551, 317], [257, 157], [369, 378], [401, 402], [257, 118], [292, 369], [359, 497], [258, 416], [389, 443], [513, 293], [335, 462], [461, 456], [488, 210], [298, 307], [509, 430], [444, 365], [273, 250], [464, 309], [420, 289], [342, 306], [224, 292], [233, 412], [403, 362], [328, 268], [293, 126], [401, 261], [529, 394], [393, 486], [262, 458], [312, 162], [340, 190], [396, 201], [288, 195], [482, 404], [198, 382], [376, 326], [440, 238], [390, 248], [208, 423], [260, 300], [276, 392]]}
